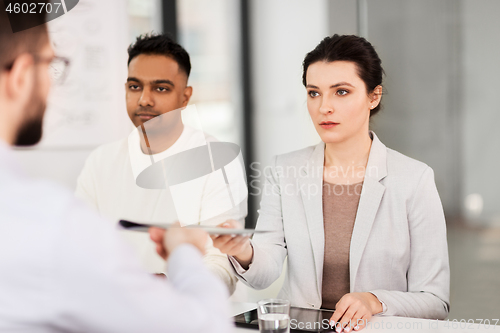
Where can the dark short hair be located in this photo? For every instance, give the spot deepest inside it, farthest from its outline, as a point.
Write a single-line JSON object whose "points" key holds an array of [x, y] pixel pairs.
{"points": [[160, 44], [349, 48], [14, 44]]}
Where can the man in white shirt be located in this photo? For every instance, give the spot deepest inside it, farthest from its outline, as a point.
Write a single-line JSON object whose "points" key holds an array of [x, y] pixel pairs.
{"points": [[157, 92], [64, 268]]}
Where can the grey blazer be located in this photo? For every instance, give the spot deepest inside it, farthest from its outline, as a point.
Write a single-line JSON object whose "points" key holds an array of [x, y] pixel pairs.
{"points": [[398, 247]]}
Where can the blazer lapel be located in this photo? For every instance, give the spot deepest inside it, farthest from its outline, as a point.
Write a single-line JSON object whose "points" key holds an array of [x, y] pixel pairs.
{"points": [[311, 190], [369, 202]]}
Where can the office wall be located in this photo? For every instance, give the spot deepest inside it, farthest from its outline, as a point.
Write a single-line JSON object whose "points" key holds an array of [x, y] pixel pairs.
{"points": [[481, 109], [418, 43], [282, 32]]}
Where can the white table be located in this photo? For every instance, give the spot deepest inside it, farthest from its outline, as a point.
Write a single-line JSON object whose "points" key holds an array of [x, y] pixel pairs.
{"points": [[383, 324]]}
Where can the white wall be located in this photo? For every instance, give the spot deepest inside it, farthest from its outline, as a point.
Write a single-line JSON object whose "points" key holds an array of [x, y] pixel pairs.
{"points": [[283, 31], [481, 116]]}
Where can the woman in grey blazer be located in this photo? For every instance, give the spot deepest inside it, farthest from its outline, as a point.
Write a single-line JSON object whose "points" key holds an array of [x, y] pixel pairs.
{"points": [[386, 244]]}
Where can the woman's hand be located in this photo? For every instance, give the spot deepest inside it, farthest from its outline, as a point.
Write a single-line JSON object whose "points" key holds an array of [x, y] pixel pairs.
{"points": [[237, 246], [354, 310]]}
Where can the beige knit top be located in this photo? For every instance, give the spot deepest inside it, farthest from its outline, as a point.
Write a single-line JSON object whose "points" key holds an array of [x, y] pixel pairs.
{"points": [[340, 204]]}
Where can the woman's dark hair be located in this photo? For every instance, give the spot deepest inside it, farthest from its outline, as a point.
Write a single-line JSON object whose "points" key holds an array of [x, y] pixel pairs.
{"points": [[160, 44], [349, 48]]}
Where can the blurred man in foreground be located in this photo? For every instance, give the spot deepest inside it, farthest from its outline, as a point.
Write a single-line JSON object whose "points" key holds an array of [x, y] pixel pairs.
{"points": [[62, 267]]}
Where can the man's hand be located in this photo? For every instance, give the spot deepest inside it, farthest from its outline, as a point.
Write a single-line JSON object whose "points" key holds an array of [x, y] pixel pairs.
{"points": [[168, 240], [237, 246], [354, 310]]}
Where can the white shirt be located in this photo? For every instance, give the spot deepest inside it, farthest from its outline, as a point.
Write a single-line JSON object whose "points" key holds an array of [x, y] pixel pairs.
{"points": [[108, 183], [64, 268]]}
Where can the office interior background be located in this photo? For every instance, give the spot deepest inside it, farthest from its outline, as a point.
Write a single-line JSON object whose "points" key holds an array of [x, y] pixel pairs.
{"points": [[439, 106]]}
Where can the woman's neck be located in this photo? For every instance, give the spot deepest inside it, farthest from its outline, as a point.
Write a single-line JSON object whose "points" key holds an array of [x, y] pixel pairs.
{"points": [[345, 162], [351, 152]]}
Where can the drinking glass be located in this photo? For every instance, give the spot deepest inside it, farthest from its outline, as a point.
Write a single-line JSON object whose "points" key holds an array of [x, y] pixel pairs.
{"points": [[274, 316]]}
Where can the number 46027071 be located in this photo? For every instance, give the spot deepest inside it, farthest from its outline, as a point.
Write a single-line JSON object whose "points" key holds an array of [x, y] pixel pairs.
{"points": [[32, 8]]}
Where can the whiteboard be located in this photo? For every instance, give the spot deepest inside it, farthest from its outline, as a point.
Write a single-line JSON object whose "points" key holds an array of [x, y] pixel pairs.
{"points": [[88, 109]]}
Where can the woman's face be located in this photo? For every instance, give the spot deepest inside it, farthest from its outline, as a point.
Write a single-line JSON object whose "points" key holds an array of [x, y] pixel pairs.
{"points": [[337, 100]]}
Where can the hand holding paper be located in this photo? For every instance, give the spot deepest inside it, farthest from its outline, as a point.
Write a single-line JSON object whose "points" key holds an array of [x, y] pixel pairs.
{"points": [[168, 240], [239, 246]]}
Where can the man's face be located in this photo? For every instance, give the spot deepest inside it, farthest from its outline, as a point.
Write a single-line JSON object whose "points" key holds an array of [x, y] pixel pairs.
{"points": [[156, 86], [30, 131]]}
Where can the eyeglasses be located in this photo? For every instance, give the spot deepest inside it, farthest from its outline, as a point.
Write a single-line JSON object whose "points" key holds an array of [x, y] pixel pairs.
{"points": [[58, 67]]}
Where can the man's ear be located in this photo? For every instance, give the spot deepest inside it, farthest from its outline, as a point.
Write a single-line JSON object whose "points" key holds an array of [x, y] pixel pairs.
{"points": [[188, 91], [21, 78]]}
